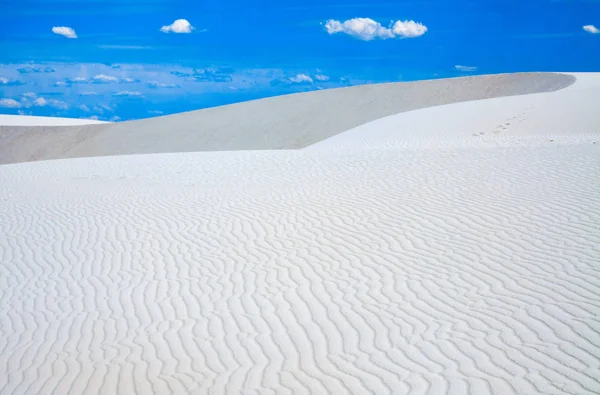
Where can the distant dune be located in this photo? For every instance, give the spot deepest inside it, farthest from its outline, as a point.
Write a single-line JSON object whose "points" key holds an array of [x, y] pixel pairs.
{"points": [[285, 122], [447, 250]]}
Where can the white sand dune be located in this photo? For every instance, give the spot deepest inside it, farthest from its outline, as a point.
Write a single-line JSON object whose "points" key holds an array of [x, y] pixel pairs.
{"points": [[449, 250], [28, 120], [284, 122], [528, 121]]}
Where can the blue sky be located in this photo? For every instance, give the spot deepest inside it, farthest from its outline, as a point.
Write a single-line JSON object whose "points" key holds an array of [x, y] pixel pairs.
{"points": [[119, 59]]}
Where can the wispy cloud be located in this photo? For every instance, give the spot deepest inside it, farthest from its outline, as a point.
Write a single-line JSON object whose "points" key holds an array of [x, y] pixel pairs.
{"points": [[97, 79], [298, 79], [9, 82], [205, 75], [106, 91], [179, 26], [367, 29], [101, 108], [30, 99], [591, 29], [29, 69], [64, 31], [156, 84], [9, 103], [59, 104], [40, 101], [104, 79], [463, 68], [77, 80], [128, 93]]}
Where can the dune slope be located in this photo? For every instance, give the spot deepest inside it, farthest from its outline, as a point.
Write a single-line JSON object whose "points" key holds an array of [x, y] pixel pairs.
{"points": [[376, 262], [285, 122]]}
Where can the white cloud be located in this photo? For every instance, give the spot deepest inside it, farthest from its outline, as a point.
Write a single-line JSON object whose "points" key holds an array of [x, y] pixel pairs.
{"points": [[85, 108], [79, 80], [29, 94], [409, 29], [465, 68], [591, 29], [64, 31], [104, 79], [301, 78], [127, 93], [156, 84], [363, 28], [40, 101], [179, 26], [9, 103], [321, 77], [368, 29], [97, 79], [59, 104]]}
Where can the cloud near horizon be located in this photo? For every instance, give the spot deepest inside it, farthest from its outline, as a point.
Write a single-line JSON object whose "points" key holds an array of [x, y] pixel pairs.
{"points": [[179, 26], [131, 90], [156, 84], [591, 29], [301, 78], [30, 99], [9, 103], [460, 67], [64, 31], [97, 79], [367, 29], [128, 93]]}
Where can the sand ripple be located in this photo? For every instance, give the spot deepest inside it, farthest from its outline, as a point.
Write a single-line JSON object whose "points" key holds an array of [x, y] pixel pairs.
{"points": [[400, 268], [276, 273]]}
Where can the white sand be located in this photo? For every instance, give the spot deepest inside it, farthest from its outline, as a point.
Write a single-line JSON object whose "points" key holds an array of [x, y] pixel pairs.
{"points": [[28, 120], [283, 122], [406, 256], [568, 116]]}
